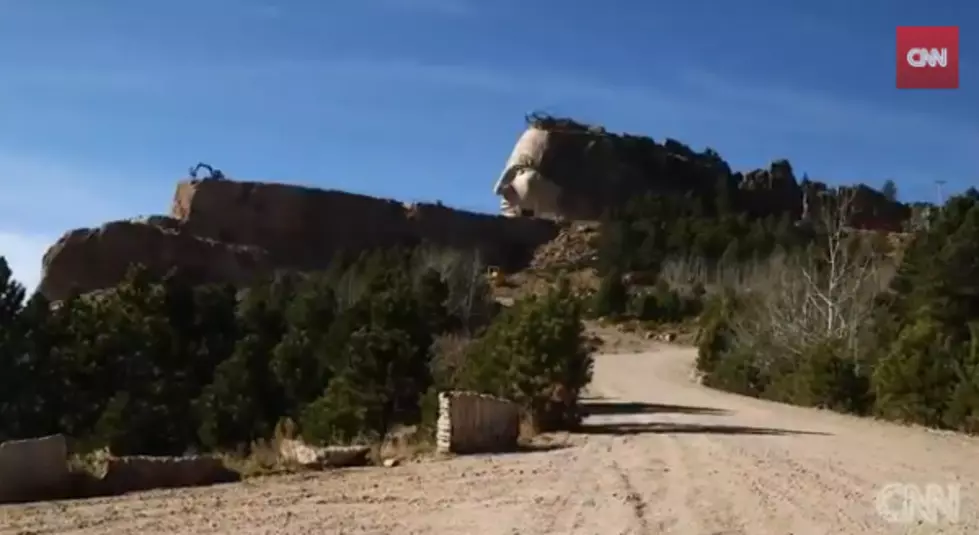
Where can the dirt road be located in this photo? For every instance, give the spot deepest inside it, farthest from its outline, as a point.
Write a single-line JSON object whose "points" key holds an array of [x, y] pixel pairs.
{"points": [[660, 455]]}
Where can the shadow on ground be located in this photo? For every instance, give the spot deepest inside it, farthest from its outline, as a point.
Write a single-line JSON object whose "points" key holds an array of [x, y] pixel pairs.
{"points": [[534, 447], [598, 407], [530, 448], [666, 428]]}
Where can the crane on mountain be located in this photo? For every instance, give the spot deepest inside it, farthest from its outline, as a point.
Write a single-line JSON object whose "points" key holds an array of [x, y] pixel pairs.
{"points": [[213, 174]]}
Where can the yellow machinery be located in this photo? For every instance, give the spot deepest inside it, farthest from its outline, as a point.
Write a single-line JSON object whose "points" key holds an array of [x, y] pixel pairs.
{"points": [[495, 276]]}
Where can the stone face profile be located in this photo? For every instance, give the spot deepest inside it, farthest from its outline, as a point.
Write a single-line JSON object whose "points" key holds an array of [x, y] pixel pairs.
{"points": [[522, 187], [562, 169], [548, 172], [229, 231]]}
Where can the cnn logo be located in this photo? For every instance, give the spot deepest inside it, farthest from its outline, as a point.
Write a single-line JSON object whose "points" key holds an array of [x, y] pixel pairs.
{"points": [[922, 58], [928, 57], [903, 503]]}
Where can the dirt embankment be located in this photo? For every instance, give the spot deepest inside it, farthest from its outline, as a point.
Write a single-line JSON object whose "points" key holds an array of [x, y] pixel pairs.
{"points": [[659, 454]]}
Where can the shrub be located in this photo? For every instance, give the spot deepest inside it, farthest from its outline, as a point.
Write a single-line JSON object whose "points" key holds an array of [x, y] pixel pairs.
{"points": [[665, 305], [536, 354], [612, 298]]}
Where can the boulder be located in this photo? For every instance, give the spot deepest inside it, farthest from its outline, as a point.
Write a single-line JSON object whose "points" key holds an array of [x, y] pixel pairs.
{"points": [[298, 452]]}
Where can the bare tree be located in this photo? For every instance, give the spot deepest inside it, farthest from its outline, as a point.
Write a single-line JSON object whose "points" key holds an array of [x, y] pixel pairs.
{"points": [[824, 295], [470, 297]]}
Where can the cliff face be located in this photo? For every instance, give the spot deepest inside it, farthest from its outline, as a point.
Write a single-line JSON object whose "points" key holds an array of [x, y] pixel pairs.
{"points": [[229, 231], [563, 169], [94, 258]]}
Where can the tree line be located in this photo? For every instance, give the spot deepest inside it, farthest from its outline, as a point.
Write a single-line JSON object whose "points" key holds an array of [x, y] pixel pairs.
{"points": [[166, 367], [813, 312]]}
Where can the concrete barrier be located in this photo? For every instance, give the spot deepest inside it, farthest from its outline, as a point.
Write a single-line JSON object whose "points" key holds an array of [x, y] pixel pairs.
{"points": [[34, 469], [37, 469], [469, 422], [128, 474]]}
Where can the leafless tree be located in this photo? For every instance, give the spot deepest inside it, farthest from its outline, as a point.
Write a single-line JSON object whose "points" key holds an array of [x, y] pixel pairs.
{"points": [[824, 295], [470, 296]]}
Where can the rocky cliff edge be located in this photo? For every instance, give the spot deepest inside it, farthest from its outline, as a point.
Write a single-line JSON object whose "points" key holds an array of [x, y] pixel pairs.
{"points": [[238, 232]]}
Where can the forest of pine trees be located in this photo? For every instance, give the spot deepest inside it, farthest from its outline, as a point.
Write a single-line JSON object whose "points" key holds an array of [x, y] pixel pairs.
{"points": [[166, 368]]}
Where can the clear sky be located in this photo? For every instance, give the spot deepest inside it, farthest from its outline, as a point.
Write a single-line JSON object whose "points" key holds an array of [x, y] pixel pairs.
{"points": [[104, 104]]}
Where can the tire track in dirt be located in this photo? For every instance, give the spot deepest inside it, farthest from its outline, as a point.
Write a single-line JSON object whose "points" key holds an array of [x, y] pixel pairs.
{"points": [[554, 499], [575, 495], [637, 504], [672, 513], [712, 495], [607, 507], [776, 502]]}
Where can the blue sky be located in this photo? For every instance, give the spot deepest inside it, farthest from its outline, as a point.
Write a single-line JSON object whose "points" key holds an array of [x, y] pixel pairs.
{"points": [[104, 104]]}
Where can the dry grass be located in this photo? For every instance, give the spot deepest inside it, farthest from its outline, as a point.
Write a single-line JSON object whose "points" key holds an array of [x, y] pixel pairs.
{"points": [[405, 444], [682, 273], [263, 459], [540, 281]]}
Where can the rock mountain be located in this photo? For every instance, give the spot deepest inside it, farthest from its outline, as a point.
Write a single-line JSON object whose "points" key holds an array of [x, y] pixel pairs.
{"points": [[229, 231], [563, 169], [221, 230]]}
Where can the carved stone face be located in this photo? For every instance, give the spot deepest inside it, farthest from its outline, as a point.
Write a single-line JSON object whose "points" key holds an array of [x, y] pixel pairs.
{"points": [[521, 185], [514, 188], [508, 191]]}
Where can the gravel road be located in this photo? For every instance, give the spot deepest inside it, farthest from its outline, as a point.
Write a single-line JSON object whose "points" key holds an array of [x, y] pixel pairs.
{"points": [[660, 455]]}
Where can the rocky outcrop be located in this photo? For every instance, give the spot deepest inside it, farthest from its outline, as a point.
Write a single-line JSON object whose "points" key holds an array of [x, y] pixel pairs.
{"points": [[769, 191], [869, 208], [299, 453], [562, 169], [295, 225], [238, 232], [91, 259], [573, 247]]}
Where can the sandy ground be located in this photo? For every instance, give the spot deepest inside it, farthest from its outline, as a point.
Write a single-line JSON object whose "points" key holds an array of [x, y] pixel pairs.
{"points": [[660, 455]]}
